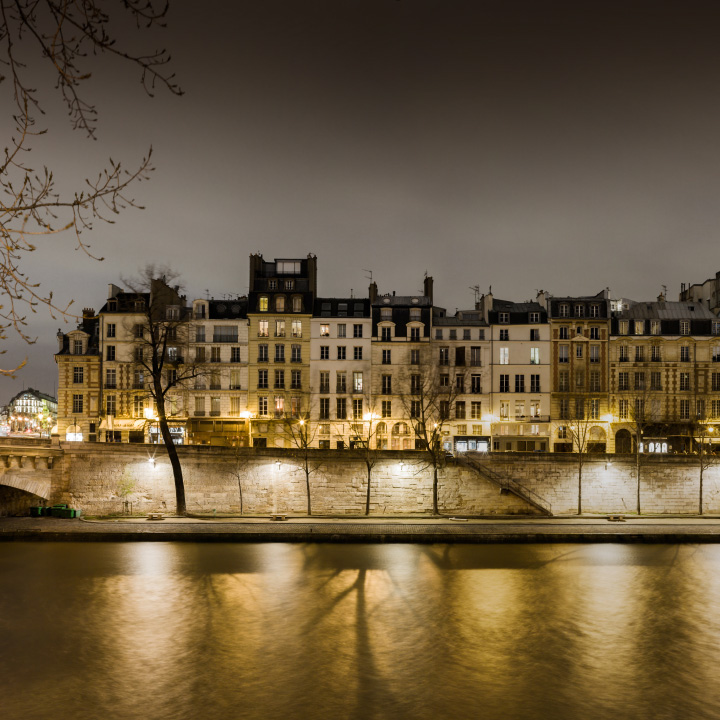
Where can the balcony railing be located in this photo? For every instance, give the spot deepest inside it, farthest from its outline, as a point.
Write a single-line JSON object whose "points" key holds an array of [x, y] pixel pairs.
{"points": [[225, 338], [215, 386], [199, 413], [214, 413], [111, 386]]}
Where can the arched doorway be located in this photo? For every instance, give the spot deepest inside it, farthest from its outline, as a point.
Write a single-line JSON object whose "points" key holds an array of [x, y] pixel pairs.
{"points": [[623, 441], [597, 442]]}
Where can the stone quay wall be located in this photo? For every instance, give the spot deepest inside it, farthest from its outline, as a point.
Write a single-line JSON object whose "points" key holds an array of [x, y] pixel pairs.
{"points": [[99, 478]]}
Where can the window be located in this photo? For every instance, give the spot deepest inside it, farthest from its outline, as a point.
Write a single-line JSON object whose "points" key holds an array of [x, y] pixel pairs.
{"points": [[534, 356], [579, 408], [534, 317], [466, 334], [578, 351], [504, 383], [504, 410], [325, 381], [110, 352], [77, 404], [475, 358], [460, 383], [295, 379], [279, 328], [444, 409], [341, 382], [453, 334], [386, 408], [655, 381], [438, 334], [594, 333], [263, 328], [358, 352], [235, 380], [684, 409], [387, 384], [262, 406], [623, 327], [215, 354], [534, 383], [280, 304], [341, 352], [564, 408], [655, 327], [415, 409], [475, 384], [235, 354], [716, 353], [624, 354], [444, 380], [715, 408], [415, 334], [444, 356], [296, 328], [639, 381], [324, 352], [623, 381], [297, 303], [110, 328], [460, 410], [78, 375], [562, 432], [519, 383], [716, 327], [325, 330], [386, 357], [262, 304], [111, 378], [563, 353], [279, 380], [504, 317], [594, 408], [415, 357], [357, 382], [324, 408], [415, 314], [296, 353], [639, 327], [341, 409], [357, 330], [684, 327], [580, 379], [534, 408], [386, 313], [563, 333], [594, 381], [685, 353], [564, 310], [504, 334], [476, 410], [262, 379], [563, 381], [262, 353], [386, 334], [279, 353], [289, 285], [594, 311], [579, 311], [357, 408], [504, 355], [341, 330], [594, 353], [684, 381], [655, 355], [415, 384]]}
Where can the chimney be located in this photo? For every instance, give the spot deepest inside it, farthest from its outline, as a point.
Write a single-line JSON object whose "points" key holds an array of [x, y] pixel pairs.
{"points": [[428, 287], [88, 313], [61, 339], [372, 291]]}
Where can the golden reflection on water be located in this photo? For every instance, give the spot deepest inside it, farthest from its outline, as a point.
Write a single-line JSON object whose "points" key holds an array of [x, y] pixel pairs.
{"points": [[163, 630]]}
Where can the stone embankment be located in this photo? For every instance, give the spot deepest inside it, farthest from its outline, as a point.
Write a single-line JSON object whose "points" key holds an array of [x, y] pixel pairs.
{"points": [[102, 479]]}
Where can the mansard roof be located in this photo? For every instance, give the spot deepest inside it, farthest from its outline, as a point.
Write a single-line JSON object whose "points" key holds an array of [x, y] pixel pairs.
{"points": [[342, 307]]}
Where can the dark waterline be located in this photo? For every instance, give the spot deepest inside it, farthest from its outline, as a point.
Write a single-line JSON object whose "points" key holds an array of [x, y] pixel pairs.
{"points": [[176, 630]]}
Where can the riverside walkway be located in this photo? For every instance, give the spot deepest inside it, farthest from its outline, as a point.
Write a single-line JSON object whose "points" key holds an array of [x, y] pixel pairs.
{"points": [[416, 529]]}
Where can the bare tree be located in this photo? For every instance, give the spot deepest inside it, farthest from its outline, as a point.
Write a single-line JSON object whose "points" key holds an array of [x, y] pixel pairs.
{"points": [[702, 434], [66, 36], [429, 401], [301, 432], [579, 428], [161, 333], [367, 443]]}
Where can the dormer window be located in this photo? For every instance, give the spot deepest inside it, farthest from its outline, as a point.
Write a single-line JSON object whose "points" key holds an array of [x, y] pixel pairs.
{"points": [[504, 317], [415, 314], [534, 317], [579, 311], [564, 310], [262, 304], [289, 285], [297, 304], [594, 311], [172, 313], [112, 305], [272, 284], [77, 347], [280, 303]]}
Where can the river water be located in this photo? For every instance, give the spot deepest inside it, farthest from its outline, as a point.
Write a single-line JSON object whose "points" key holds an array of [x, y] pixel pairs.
{"points": [[181, 630]]}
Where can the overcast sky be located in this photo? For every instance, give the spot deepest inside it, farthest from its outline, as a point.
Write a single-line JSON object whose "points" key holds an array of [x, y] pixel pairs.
{"points": [[518, 144]]}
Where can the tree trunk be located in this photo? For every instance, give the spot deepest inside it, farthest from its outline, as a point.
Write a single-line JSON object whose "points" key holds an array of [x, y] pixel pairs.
{"points": [[307, 486], [367, 496], [701, 482], [176, 467], [435, 490], [637, 472], [579, 488]]}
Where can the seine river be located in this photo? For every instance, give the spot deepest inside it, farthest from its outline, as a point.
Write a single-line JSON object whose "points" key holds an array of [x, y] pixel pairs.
{"points": [[180, 630]]}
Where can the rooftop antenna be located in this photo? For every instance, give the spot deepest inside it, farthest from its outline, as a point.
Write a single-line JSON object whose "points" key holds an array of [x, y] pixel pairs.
{"points": [[664, 287], [476, 290], [369, 276], [207, 294]]}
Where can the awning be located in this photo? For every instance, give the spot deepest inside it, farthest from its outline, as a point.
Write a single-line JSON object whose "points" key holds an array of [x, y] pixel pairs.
{"points": [[113, 423]]}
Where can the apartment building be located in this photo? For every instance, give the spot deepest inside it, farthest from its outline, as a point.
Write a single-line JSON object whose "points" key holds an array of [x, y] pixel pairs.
{"points": [[520, 348], [340, 369], [280, 307], [664, 374], [218, 413], [580, 335]]}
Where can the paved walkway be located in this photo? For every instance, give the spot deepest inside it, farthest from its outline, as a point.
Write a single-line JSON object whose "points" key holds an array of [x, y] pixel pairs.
{"points": [[382, 530]]}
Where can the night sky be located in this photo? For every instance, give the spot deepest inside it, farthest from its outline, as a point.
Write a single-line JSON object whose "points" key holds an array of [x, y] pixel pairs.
{"points": [[568, 146]]}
